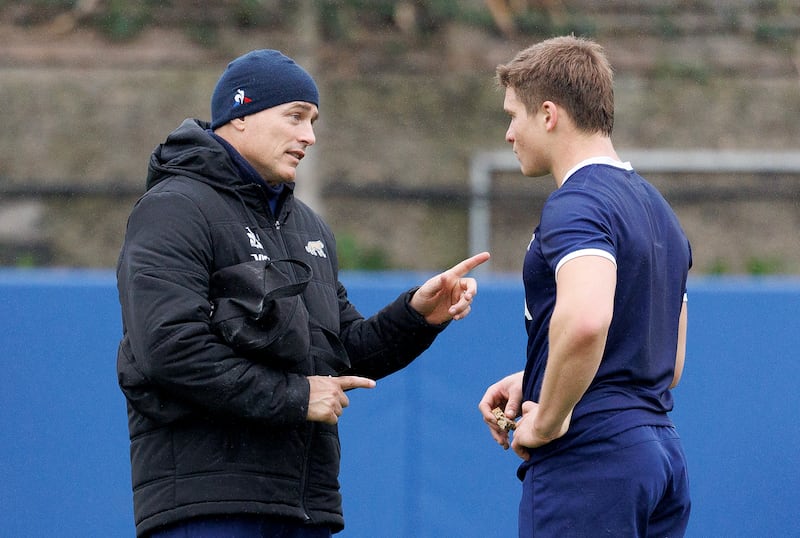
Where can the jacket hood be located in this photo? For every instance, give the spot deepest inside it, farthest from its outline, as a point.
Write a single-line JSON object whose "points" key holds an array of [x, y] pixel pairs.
{"points": [[192, 152]]}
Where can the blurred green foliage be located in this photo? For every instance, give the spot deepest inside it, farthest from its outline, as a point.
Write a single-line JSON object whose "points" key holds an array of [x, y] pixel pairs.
{"points": [[338, 19], [343, 20], [124, 20], [354, 256], [754, 266], [764, 266], [27, 261]]}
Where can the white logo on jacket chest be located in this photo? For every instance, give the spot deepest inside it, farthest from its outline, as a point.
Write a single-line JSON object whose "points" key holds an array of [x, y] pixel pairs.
{"points": [[316, 248], [255, 241]]}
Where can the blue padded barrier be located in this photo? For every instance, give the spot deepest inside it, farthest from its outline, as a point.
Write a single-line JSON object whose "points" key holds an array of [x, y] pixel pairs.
{"points": [[417, 460]]}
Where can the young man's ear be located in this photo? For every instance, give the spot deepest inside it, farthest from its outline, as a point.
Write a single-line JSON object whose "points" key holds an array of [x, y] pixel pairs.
{"points": [[550, 114]]}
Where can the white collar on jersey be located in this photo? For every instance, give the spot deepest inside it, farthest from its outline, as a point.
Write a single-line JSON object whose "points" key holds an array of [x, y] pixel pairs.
{"points": [[597, 160]]}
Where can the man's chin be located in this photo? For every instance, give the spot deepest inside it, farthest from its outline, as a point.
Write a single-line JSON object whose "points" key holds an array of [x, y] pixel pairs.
{"points": [[288, 177], [277, 181], [533, 172]]}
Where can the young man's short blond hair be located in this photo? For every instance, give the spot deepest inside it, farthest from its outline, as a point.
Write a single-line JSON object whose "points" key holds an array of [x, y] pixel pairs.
{"points": [[570, 71]]}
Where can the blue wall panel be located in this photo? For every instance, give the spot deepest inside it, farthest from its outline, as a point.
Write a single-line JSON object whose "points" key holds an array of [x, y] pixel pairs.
{"points": [[440, 472], [417, 460], [64, 467], [736, 408]]}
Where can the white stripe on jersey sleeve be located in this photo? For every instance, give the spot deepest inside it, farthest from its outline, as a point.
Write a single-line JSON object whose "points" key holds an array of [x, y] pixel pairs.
{"points": [[586, 252]]}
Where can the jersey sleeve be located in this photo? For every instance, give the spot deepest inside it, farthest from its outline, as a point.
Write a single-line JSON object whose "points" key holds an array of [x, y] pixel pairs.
{"points": [[575, 223]]}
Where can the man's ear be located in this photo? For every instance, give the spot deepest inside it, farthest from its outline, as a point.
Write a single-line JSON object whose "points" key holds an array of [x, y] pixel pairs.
{"points": [[238, 123], [550, 115]]}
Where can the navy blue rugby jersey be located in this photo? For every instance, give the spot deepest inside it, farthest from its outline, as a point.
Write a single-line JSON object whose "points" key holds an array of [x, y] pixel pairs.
{"points": [[605, 208]]}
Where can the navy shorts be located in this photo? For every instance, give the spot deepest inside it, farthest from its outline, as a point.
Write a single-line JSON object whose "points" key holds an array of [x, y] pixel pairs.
{"points": [[240, 527], [634, 484]]}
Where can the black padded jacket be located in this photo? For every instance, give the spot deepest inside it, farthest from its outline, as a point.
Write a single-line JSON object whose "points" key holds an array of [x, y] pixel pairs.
{"points": [[213, 432]]}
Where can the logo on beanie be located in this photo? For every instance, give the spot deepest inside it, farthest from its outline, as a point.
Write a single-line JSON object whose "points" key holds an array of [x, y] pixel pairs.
{"points": [[240, 98]]}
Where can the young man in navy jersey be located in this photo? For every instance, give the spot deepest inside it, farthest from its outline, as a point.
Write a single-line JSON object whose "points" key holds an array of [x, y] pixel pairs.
{"points": [[605, 310]]}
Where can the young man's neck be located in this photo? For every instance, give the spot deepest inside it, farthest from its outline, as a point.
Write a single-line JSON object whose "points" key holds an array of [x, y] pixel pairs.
{"points": [[580, 149]]}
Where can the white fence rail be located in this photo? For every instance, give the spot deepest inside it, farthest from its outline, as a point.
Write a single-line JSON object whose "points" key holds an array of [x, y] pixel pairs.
{"points": [[703, 161]]}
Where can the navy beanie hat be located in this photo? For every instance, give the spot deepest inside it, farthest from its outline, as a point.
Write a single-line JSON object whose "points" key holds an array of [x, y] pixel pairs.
{"points": [[259, 80]]}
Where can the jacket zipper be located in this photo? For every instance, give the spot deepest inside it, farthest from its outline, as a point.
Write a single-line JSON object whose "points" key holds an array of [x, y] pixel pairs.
{"points": [[311, 427], [304, 475]]}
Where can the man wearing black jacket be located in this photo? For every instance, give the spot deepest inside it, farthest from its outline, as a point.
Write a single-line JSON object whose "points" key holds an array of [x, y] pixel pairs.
{"points": [[225, 439]]}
